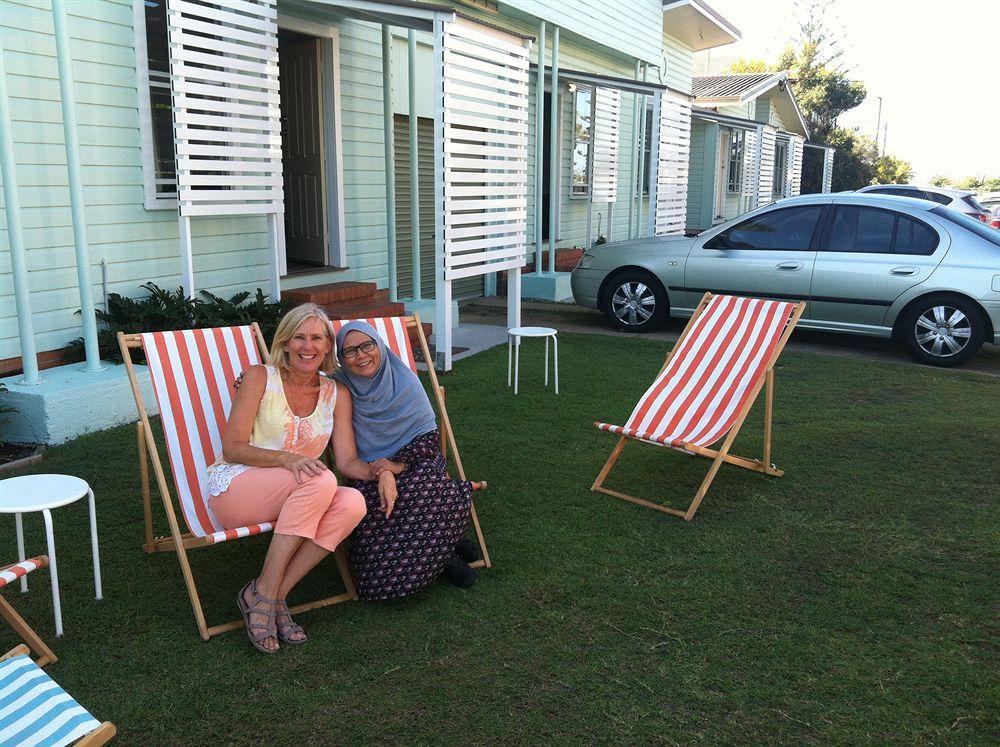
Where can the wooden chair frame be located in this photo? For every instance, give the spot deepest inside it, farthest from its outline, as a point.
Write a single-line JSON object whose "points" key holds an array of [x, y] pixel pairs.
{"points": [[178, 541], [720, 455], [101, 735], [24, 631], [412, 322]]}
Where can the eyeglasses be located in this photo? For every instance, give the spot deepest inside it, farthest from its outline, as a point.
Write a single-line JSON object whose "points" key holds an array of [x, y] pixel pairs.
{"points": [[365, 347]]}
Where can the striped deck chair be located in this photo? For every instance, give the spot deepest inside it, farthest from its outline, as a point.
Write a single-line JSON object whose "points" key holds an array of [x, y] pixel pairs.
{"points": [[34, 710], [395, 331], [8, 575], [706, 387], [193, 373]]}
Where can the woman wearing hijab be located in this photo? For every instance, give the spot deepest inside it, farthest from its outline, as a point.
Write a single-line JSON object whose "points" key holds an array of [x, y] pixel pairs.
{"points": [[417, 514]]}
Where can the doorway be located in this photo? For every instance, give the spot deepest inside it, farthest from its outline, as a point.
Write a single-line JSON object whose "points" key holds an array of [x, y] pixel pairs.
{"points": [[303, 150]]}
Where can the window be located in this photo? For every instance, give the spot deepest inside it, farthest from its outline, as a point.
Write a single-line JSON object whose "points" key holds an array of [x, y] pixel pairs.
{"points": [[789, 229], [876, 231], [969, 223], [582, 131], [780, 167], [155, 111], [737, 142]]}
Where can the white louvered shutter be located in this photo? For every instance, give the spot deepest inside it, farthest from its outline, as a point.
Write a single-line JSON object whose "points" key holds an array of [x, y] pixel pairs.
{"points": [[606, 144], [768, 138], [485, 98], [828, 170], [672, 146], [796, 147], [227, 133], [749, 187]]}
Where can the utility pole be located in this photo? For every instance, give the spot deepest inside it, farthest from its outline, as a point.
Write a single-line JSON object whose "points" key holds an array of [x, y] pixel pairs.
{"points": [[878, 123]]}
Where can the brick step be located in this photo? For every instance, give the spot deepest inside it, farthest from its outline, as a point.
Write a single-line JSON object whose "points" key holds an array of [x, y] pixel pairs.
{"points": [[332, 293]]}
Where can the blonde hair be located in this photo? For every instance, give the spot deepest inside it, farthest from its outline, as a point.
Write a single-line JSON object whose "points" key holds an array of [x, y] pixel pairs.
{"points": [[287, 327]]}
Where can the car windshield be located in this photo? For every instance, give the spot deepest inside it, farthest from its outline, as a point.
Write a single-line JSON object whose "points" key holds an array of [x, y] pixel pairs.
{"points": [[974, 203], [972, 225]]}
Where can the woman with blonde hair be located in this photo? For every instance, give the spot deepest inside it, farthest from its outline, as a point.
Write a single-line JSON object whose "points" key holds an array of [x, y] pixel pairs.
{"points": [[282, 418]]}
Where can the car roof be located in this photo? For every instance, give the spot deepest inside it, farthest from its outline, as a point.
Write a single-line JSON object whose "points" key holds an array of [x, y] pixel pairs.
{"points": [[866, 198], [940, 190]]}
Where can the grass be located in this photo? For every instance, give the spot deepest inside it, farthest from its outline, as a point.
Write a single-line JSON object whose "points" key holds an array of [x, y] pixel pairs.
{"points": [[852, 601]]}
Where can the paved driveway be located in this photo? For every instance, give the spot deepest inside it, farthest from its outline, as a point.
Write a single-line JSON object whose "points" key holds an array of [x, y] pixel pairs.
{"points": [[568, 317]]}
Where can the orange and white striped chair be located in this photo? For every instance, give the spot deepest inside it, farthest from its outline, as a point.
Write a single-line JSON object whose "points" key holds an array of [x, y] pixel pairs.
{"points": [[8, 575], [395, 332], [707, 385], [193, 372]]}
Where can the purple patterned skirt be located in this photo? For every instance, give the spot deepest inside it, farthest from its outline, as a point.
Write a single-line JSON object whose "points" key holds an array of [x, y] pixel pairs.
{"points": [[399, 556]]}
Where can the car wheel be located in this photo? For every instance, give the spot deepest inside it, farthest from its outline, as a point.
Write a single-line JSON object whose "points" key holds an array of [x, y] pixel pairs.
{"points": [[943, 330], [635, 301]]}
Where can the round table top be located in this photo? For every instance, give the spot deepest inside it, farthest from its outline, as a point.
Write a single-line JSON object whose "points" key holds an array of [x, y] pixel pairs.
{"points": [[532, 332], [39, 492]]}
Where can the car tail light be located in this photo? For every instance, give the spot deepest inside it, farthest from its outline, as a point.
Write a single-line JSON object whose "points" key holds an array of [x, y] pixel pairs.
{"points": [[983, 217], [995, 223]]}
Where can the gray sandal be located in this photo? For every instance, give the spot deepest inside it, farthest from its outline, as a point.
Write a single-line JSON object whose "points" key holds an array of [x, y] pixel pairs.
{"points": [[287, 626], [258, 632]]}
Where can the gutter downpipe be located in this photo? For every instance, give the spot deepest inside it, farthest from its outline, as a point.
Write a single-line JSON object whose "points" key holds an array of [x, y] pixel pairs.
{"points": [[634, 171], [390, 161], [554, 185], [539, 145], [64, 60], [411, 41], [642, 149], [15, 237]]}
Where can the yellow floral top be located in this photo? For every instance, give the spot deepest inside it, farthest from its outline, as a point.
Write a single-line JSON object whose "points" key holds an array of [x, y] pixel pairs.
{"points": [[277, 427]]}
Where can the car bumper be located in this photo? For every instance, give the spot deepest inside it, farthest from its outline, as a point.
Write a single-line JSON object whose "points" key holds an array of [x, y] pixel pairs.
{"points": [[993, 309], [586, 284]]}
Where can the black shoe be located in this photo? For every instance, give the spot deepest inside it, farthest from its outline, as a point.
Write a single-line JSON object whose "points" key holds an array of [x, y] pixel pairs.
{"points": [[466, 549], [459, 573]]}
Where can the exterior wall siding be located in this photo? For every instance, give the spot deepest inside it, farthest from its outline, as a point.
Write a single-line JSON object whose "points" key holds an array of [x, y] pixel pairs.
{"points": [[137, 245], [696, 174], [677, 64]]}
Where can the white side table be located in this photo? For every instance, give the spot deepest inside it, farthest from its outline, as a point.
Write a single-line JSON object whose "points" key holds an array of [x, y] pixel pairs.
{"points": [[514, 335], [31, 493]]}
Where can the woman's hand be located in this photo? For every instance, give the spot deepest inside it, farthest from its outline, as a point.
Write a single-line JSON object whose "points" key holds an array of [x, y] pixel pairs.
{"points": [[386, 492], [381, 465], [302, 467]]}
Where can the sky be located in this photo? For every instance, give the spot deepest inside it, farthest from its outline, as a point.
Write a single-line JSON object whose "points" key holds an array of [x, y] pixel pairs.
{"points": [[935, 65]]}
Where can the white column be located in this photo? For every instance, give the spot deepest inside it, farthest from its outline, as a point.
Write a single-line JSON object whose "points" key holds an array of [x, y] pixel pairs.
{"points": [[442, 287]]}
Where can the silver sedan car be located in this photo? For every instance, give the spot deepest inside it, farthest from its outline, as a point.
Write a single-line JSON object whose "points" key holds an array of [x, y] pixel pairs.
{"points": [[895, 267]]}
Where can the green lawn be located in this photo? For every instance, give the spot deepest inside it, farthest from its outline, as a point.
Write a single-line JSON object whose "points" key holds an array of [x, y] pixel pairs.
{"points": [[852, 601]]}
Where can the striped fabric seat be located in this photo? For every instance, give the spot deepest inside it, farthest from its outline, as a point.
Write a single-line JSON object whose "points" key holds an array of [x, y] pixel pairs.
{"points": [[393, 332], [193, 373], [11, 573], [34, 710], [700, 393]]}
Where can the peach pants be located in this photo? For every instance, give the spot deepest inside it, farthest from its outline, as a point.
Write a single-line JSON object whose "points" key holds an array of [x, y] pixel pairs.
{"points": [[317, 509]]}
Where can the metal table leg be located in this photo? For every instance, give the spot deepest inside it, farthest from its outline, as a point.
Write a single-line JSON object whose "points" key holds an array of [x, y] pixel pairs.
{"points": [[19, 527], [98, 594], [53, 569]]}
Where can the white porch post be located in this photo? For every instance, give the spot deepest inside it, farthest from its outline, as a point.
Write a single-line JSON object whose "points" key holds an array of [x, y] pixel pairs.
{"points": [[654, 177], [539, 150], [15, 236], [642, 147], [554, 183], [635, 156], [390, 159], [78, 206], [411, 50], [755, 200], [442, 287], [588, 242]]}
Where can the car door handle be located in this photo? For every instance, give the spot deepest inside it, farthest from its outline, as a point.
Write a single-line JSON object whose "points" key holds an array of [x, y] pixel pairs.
{"points": [[903, 271], [788, 266]]}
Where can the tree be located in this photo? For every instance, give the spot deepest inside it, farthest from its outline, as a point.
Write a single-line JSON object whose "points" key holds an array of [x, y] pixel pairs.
{"points": [[743, 66], [892, 170], [855, 163], [941, 181]]}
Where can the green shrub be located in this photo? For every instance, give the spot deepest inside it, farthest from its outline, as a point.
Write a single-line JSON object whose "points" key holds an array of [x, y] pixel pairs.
{"points": [[164, 310]]}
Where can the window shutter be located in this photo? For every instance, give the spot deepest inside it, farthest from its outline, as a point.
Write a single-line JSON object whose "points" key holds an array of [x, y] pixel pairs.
{"points": [[828, 170], [670, 159], [606, 144], [768, 137], [796, 146], [227, 133], [749, 188], [485, 100]]}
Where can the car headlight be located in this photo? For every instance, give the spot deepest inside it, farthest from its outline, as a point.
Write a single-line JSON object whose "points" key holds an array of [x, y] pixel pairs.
{"points": [[586, 261]]}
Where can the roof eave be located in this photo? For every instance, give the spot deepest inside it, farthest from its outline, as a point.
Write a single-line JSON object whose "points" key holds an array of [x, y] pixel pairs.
{"points": [[713, 30]]}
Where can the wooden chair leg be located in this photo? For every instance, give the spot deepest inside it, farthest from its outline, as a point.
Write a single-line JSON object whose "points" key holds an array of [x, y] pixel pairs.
{"points": [[147, 508], [720, 457], [485, 562], [29, 636], [768, 411], [342, 556], [101, 735], [615, 453]]}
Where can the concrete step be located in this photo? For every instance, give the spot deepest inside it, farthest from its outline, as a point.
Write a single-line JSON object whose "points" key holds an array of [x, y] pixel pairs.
{"points": [[363, 308], [332, 293]]}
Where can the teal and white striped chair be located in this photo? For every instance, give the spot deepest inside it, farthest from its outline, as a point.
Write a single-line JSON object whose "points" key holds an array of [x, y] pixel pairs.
{"points": [[34, 710]]}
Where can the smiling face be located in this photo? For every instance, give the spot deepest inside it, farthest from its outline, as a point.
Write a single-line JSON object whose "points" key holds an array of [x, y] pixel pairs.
{"points": [[363, 363], [308, 346]]}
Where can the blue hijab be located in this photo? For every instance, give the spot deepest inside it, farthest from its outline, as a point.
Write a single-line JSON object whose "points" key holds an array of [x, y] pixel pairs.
{"points": [[390, 408]]}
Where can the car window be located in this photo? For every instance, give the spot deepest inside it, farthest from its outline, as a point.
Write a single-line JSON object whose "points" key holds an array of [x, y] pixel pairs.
{"points": [[969, 224], [937, 197], [914, 237], [860, 229], [784, 229], [974, 203], [878, 231]]}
